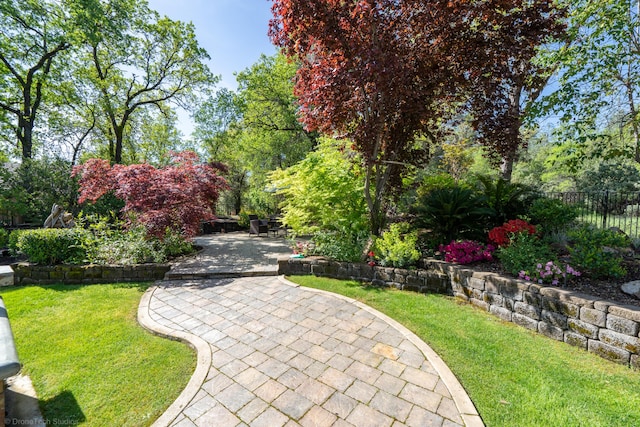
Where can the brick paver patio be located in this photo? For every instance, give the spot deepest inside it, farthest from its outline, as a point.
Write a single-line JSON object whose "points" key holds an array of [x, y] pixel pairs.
{"points": [[272, 354]]}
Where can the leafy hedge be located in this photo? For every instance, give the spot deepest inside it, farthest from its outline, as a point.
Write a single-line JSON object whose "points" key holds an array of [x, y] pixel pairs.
{"points": [[96, 245], [397, 247], [596, 251], [51, 245]]}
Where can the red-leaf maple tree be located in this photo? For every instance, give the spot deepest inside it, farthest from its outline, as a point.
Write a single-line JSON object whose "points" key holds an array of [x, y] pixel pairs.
{"points": [[368, 72], [177, 196], [506, 80], [381, 72]]}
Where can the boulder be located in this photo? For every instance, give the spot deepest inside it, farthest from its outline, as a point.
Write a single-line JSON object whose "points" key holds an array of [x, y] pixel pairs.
{"points": [[632, 288]]}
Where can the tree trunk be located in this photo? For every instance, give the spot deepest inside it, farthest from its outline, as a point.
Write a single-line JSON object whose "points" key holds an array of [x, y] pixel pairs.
{"points": [[27, 141], [25, 122], [118, 132], [635, 128], [118, 154], [506, 168], [376, 203], [25, 134]]}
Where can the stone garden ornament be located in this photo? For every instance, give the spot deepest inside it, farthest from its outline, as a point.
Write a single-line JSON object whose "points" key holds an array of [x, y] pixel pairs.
{"points": [[59, 218]]}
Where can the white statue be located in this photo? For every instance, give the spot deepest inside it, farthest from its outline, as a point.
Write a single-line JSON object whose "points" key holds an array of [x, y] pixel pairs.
{"points": [[59, 218]]}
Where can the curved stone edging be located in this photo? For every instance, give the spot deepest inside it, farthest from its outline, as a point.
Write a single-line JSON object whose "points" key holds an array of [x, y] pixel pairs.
{"points": [[203, 354], [463, 402]]}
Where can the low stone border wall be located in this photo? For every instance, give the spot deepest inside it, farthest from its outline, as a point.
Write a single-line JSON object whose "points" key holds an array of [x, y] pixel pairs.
{"points": [[28, 274], [601, 327]]}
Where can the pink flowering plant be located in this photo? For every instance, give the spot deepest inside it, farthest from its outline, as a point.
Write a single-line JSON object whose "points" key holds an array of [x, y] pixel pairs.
{"points": [[303, 248], [549, 273], [467, 252]]}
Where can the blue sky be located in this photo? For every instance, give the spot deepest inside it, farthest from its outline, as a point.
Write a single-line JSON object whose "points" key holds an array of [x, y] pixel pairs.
{"points": [[234, 33]]}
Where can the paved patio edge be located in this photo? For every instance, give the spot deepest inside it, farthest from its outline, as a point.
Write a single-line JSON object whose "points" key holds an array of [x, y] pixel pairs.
{"points": [[467, 409], [203, 354]]}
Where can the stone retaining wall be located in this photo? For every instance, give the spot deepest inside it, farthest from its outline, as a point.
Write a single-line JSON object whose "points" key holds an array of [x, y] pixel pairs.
{"points": [[601, 327], [27, 274]]}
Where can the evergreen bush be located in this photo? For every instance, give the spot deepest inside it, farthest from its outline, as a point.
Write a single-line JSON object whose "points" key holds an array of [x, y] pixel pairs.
{"points": [[551, 215], [524, 253], [52, 245], [397, 247], [596, 251], [345, 245], [453, 214]]}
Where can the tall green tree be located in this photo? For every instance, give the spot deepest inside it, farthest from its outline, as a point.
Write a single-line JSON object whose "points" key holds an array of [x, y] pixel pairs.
{"points": [[137, 60], [274, 137], [154, 136], [73, 117], [218, 132], [383, 73], [598, 86], [255, 129], [34, 35]]}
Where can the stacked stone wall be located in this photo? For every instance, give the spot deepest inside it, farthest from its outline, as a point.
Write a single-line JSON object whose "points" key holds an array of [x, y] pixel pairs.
{"points": [[29, 274], [601, 327]]}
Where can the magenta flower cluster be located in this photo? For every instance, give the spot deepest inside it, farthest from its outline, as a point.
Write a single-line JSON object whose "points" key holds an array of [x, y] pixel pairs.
{"points": [[549, 273], [467, 251]]}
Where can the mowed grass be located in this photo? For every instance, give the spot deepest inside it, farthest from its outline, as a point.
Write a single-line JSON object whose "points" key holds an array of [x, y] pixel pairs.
{"points": [[514, 376], [90, 361]]}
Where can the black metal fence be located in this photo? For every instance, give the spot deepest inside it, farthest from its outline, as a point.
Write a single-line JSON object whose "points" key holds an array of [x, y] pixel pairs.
{"points": [[606, 209]]}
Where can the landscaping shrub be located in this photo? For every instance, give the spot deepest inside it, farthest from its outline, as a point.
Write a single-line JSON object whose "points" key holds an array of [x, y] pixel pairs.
{"points": [[174, 244], [467, 252], [178, 196], [433, 182], [551, 215], [52, 245], [397, 246], [524, 253], [4, 238], [505, 199], [303, 247], [503, 235], [452, 214], [98, 240], [243, 219], [129, 247], [323, 192], [13, 242], [346, 245], [595, 251], [106, 206], [133, 246]]}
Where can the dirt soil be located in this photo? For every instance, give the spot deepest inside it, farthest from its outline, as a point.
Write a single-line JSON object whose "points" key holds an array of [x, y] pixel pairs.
{"points": [[606, 289]]}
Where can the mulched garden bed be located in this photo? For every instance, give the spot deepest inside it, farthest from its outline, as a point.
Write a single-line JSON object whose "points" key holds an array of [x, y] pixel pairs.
{"points": [[606, 289]]}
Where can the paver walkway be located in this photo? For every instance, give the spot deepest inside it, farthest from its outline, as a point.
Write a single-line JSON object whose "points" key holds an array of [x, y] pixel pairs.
{"points": [[271, 353]]}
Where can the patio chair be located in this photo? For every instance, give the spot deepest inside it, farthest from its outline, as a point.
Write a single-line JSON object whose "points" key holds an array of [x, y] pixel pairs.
{"points": [[257, 226]]}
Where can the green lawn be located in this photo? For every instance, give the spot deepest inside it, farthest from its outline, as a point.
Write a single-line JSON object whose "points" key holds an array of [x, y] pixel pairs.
{"points": [[514, 376], [89, 360]]}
